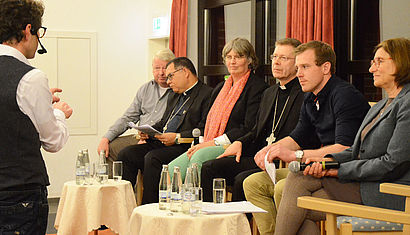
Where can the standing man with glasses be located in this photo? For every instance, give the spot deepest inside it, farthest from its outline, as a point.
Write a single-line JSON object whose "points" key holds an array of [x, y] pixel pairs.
{"points": [[186, 107], [147, 107], [31, 117]]}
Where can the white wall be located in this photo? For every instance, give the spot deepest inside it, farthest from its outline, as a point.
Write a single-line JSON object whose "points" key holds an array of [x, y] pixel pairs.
{"points": [[394, 19], [123, 64]]}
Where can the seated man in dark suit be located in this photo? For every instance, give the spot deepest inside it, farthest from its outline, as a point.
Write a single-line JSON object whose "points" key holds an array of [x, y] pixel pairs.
{"points": [[186, 107]]}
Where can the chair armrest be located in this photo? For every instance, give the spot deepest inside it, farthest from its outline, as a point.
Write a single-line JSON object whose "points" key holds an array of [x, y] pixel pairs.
{"points": [[396, 189], [349, 209]]}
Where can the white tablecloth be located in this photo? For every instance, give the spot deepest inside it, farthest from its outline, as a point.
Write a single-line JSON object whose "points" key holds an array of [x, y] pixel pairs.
{"points": [[83, 208], [149, 220]]}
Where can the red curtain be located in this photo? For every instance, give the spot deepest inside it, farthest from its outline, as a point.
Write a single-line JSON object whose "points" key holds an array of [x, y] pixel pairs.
{"points": [[179, 27], [308, 20]]}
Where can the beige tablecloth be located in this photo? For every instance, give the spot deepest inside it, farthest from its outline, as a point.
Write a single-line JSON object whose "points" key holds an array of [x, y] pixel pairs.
{"points": [[84, 208], [149, 220]]}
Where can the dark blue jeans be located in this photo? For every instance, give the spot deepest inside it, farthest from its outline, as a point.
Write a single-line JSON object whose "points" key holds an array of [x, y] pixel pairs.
{"points": [[24, 212]]}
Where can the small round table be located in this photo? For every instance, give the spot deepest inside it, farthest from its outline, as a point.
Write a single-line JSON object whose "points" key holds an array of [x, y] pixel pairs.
{"points": [[84, 208], [148, 219]]}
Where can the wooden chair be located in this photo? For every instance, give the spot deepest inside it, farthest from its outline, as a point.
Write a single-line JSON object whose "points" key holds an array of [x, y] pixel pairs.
{"points": [[334, 208]]}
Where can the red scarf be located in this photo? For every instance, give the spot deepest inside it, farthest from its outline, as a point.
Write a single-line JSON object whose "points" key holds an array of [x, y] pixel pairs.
{"points": [[221, 109]]}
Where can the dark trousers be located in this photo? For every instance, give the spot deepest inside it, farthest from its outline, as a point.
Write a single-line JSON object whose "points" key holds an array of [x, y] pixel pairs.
{"points": [[148, 158], [228, 169], [24, 211]]}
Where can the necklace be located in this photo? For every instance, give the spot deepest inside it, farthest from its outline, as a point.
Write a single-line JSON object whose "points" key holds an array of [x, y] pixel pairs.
{"points": [[272, 137], [174, 114]]}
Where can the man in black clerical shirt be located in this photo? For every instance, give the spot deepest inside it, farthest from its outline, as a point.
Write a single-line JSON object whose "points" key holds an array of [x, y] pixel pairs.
{"points": [[330, 116], [277, 117], [186, 107]]}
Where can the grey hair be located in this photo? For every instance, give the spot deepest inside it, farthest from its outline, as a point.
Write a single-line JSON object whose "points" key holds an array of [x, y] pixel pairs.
{"points": [[164, 55], [244, 48]]}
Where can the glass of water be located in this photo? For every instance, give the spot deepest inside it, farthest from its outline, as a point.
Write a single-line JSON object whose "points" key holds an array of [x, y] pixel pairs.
{"points": [[117, 170], [219, 190]]}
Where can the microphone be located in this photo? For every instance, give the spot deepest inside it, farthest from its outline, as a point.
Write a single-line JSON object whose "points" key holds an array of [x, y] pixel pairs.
{"points": [[42, 50], [196, 133], [296, 166]]}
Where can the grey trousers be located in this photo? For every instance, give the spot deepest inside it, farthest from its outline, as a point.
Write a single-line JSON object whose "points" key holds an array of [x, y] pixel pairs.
{"points": [[116, 146]]}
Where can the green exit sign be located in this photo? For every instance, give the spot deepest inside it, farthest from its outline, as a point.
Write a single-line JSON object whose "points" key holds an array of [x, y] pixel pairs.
{"points": [[157, 24]]}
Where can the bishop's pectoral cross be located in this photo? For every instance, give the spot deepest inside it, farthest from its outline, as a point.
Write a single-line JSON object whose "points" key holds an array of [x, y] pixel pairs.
{"points": [[271, 138]]}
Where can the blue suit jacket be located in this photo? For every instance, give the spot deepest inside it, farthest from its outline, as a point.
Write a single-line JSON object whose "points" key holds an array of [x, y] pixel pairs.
{"points": [[383, 155]]}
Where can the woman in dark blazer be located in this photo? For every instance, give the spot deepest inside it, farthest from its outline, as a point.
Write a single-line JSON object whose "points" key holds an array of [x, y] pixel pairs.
{"points": [[235, 103], [380, 152]]}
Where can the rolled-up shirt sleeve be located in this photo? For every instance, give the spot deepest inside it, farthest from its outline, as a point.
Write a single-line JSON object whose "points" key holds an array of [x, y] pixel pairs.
{"points": [[35, 100]]}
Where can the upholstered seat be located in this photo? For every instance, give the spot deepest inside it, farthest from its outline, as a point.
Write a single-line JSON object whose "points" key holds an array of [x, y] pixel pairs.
{"points": [[368, 225]]}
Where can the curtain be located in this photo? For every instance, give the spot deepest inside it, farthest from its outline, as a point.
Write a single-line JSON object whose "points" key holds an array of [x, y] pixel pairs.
{"points": [[308, 20], [179, 27]]}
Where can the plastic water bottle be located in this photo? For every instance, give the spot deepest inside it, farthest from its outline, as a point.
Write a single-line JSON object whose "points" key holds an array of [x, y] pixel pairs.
{"points": [[86, 157], [164, 187], [176, 185], [80, 169], [101, 157], [188, 195]]}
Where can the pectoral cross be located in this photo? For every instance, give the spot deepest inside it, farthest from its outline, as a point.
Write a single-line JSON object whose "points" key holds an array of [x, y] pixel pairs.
{"points": [[271, 138]]}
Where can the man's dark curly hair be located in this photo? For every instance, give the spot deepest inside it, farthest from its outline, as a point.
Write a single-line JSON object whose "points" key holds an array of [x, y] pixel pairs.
{"points": [[15, 15]]}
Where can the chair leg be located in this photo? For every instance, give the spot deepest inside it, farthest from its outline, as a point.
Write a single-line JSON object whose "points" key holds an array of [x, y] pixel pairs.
{"points": [[140, 187], [254, 227], [323, 227], [345, 229]]}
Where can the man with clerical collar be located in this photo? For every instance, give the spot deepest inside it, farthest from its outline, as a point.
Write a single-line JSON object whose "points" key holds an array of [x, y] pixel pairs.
{"points": [[330, 116], [186, 107], [147, 107], [277, 117]]}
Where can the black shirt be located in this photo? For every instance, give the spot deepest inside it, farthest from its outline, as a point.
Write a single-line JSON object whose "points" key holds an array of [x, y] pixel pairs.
{"points": [[331, 117], [282, 96]]}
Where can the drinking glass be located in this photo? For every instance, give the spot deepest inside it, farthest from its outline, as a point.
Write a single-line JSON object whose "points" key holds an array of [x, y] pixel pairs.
{"points": [[219, 190], [117, 170]]}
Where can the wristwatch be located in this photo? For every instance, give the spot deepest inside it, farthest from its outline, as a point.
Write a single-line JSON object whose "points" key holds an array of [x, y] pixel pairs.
{"points": [[299, 155], [178, 135], [216, 143]]}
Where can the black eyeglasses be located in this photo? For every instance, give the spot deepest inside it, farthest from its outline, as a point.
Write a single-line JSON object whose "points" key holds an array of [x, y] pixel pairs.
{"points": [[40, 32], [170, 76]]}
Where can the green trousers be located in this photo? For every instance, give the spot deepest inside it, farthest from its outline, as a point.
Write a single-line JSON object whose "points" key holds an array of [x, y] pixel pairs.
{"points": [[199, 157]]}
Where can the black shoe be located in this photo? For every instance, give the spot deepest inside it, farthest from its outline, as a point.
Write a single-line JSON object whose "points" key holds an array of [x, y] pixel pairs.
{"points": [[103, 227]]}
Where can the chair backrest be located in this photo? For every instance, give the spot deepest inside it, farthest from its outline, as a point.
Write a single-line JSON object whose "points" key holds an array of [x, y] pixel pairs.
{"points": [[333, 208]]}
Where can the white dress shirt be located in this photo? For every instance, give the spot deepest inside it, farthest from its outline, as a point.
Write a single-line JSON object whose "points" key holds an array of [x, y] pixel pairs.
{"points": [[35, 100]]}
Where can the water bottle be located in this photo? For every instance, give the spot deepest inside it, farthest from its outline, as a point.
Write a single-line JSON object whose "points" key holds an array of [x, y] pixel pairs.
{"points": [[176, 191], [86, 157], [195, 175], [196, 205], [80, 169], [187, 192], [164, 187], [101, 158]]}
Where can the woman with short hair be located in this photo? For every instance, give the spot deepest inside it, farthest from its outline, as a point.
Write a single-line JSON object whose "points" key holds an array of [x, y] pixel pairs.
{"points": [[235, 103]]}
